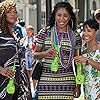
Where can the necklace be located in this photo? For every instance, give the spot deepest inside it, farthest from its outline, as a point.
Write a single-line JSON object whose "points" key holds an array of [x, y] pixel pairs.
{"points": [[56, 42], [71, 54]]}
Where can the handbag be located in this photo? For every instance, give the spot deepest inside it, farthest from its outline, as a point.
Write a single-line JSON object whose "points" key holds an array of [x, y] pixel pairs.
{"points": [[37, 70]]}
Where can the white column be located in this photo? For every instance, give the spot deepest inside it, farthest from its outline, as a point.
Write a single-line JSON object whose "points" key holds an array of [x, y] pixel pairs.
{"points": [[27, 12]]}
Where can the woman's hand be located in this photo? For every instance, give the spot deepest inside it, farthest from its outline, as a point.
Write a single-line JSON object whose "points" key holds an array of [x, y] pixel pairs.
{"points": [[80, 59], [51, 52], [77, 91], [7, 72]]}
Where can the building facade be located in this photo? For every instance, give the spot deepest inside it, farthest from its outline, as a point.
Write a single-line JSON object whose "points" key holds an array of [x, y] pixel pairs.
{"points": [[36, 12]]}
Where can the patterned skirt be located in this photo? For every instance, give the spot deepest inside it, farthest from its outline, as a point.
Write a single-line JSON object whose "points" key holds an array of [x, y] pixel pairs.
{"points": [[56, 86]]}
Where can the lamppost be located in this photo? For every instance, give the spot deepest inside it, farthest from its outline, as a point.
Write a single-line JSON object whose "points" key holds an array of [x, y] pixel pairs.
{"points": [[48, 9], [88, 9], [38, 2], [1, 0], [77, 9]]}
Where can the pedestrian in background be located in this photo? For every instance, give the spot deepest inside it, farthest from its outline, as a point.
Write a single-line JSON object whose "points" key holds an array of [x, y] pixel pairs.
{"points": [[17, 28], [57, 47], [90, 60], [23, 28], [28, 42]]}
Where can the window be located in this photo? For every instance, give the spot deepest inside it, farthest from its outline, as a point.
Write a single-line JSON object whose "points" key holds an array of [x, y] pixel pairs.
{"points": [[32, 1], [20, 13], [2, 0], [43, 13], [57, 1], [18, 1], [43, 19], [94, 5]]}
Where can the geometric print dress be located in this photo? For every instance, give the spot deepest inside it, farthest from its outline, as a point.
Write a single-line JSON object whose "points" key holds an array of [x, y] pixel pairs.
{"points": [[91, 77], [59, 85]]}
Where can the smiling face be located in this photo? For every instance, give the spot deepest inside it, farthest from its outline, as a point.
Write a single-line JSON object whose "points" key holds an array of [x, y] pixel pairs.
{"points": [[11, 16], [62, 18], [89, 34]]}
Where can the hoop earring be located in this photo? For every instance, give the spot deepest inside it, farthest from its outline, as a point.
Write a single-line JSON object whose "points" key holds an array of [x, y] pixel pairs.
{"points": [[55, 23], [72, 22]]}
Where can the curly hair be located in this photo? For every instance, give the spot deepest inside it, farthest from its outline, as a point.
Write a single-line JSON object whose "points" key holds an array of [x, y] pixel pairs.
{"points": [[69, 8], [5, 6]]}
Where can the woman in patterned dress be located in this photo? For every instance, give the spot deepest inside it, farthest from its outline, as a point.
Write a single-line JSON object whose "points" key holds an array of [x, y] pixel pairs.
{"points": [[91, 61], [56, 47]]}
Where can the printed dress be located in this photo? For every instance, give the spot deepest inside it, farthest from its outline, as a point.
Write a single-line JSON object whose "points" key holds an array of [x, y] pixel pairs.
{"points": [[92, 77], [58, 85]]}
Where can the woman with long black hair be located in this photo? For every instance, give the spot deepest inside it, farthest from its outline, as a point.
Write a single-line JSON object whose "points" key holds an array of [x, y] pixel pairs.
{"points": [[57, 47]]}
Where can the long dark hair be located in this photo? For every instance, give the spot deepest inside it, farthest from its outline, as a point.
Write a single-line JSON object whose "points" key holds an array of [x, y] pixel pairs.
{"points": [[69, 8]]}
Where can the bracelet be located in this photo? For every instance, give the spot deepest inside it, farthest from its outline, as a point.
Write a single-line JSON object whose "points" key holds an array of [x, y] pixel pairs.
{"points": [[87, 61]]}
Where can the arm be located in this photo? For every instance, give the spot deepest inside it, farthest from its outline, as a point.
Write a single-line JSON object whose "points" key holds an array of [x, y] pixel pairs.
{"points": [[78, 45], [77, 91], [95, 64], [88, 61], [39, 54]]}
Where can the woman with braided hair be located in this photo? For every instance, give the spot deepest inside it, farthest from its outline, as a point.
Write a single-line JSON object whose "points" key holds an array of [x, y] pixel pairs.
{"points": [[12, 76]]}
